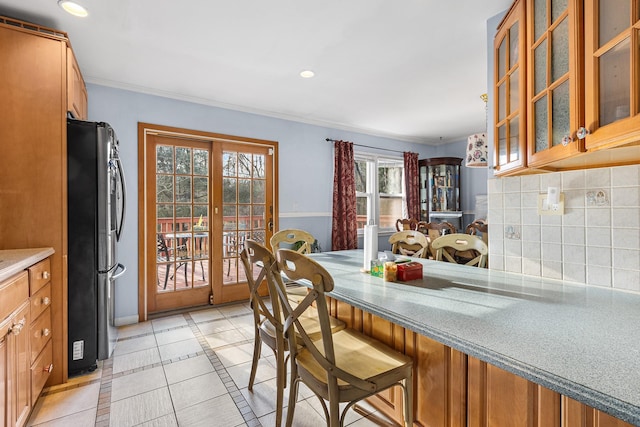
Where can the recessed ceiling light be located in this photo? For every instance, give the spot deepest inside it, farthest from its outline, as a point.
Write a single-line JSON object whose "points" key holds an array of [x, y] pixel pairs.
{"points": [[73, 8], [307, 74]]}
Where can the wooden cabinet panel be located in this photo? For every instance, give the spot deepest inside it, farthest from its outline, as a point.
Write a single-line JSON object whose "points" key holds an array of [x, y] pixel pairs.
{"points": [[5, 403], [499, 398], [12, 293], [20, 362], [39, 275], [40, 334], [33, 166], [40, 301], [76, 89], [576, 414], [40, 371]]}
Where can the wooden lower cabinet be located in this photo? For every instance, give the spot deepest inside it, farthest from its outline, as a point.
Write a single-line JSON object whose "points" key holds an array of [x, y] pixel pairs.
{"points": [[453, 389]]}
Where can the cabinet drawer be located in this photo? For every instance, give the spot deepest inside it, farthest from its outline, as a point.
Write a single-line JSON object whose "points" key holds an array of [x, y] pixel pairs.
{"points": [[40, 331], [13, 292], [40, 372], [40, 301], [39, 275]]}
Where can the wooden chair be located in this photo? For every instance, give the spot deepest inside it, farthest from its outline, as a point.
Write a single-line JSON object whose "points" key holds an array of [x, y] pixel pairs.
{"points": [[298, 240], [406, 224], [443, 227], [410, 243], [169, 255], [479, 227], [345, 366], [268, 321], [450, 245]]}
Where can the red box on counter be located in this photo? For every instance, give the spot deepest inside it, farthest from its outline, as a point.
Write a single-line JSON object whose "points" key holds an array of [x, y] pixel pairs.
{"points": [[409, 271]]}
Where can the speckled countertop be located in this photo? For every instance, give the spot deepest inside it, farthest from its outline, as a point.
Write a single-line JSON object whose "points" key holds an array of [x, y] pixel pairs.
{"points": [[581, 341], [13, 261]]}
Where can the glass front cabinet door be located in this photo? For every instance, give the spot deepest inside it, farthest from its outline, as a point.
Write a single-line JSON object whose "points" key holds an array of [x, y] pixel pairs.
{"points": [[440, 188], [510, 93], [612, 72], [554, 95]]}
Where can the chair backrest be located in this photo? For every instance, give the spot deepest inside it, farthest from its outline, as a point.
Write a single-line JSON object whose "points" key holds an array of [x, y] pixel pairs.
{"points": [[297, 266], [479, 227], [424, 227], [410, 243], [460, 242], [257, 261], [406, 224], [163, 250], [291, 237]]}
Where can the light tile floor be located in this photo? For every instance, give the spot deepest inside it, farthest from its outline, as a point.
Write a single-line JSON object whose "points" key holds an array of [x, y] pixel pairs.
{"points": [[189, 369]]}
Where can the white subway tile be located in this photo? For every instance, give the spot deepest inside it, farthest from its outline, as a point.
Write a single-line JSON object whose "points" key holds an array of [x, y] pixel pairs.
{"points": [[513, 264], [551, 252], [625, 217], [598, 178], [574, 272], [512, 216], [496, 262], [574, 198], [513, 247], [550, 180], [551, 234], [529, 199], [495, 201], [597, 256], [512, 184], [627, 259], [551, 269], [494, 185], [551, 220], [625, 196], [530, 216], [626, 280], [574, 254], [573, 235], [598, 217], [573, 217], [511, 200], [598, 276], [573, 180], [625, 175], [598, 236], [531, 183], [626, 238], [531, 250], [532, 267]]}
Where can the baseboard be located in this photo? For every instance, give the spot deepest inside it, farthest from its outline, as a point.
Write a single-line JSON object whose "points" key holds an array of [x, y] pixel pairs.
{"points": [[128, 320]]}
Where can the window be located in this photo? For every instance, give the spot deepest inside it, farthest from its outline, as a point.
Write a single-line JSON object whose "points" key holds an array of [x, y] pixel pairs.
{"points": [[379, 190]]}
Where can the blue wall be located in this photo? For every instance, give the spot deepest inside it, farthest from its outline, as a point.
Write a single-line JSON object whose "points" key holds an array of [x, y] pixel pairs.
{"points": [[305, 168]]}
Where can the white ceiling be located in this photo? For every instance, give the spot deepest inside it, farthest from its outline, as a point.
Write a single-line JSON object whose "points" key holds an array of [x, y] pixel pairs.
{"points": [[410, 69]]}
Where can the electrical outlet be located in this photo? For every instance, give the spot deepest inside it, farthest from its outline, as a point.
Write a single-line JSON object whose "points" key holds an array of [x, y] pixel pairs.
{"points": [[78, 350], [545, 208]]}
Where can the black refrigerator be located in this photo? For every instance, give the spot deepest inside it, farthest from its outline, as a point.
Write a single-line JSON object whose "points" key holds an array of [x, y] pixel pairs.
{"points": [[96, 207]]}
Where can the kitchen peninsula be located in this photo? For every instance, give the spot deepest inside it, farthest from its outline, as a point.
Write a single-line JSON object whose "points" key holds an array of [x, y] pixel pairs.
{"points": [[500, 348]]}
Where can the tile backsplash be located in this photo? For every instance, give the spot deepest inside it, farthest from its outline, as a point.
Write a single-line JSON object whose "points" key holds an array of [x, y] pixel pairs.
{"points": [[596, 241]]}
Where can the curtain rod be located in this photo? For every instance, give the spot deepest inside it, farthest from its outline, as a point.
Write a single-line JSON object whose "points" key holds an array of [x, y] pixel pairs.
{"points": [[367, 146]]}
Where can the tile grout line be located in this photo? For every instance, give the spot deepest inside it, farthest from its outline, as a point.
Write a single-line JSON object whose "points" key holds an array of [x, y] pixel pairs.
{"points": [[245, 410], [103, 412]]}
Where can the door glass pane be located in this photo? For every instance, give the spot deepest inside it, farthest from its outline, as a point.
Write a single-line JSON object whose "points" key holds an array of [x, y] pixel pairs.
{"points": [[258, 195], [164, 188], [200, 162], [541, 116], [514, 92], [183, 189], [560, 50], [614, 18], [502, 59], [183, 160], [229, 190], [539, 18], [229, 217], [514, 138], [183, 217], [557, 8], [244, 191], [560, 119], [540, 67], [502, 101], [244, 164], [615, 92], [229, 164], [201, 217], [164, 159], [258, 166], [513, 45], [390, 211], [200, 189], [502, 145], [257, 217], [244, 217]]}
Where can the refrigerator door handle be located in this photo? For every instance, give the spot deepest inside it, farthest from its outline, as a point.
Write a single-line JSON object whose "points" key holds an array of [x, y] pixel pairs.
{"points": [[115, 274], [123, 185]]}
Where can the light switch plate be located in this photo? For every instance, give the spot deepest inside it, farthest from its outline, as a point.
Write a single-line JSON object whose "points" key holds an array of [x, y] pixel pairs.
{"points": [[545, 209]]}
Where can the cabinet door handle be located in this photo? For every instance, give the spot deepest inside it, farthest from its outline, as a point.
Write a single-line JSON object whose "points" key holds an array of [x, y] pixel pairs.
{"points": [[15, 330], [48, 368], [46, 301], [46, 332], [45, 275]]}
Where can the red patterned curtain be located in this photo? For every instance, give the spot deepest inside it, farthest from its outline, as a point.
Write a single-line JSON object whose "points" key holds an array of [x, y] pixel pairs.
{"points": [[412, 183], [344, 231]]}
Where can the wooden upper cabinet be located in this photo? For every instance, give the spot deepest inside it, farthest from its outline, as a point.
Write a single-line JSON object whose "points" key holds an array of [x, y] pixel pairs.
{"points": [[554, 103], [76, 89], [612, 72], [510, 92]]}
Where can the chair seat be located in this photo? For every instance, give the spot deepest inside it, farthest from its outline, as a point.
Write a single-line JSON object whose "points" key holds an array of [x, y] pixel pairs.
{"points": [[361, 356]]}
